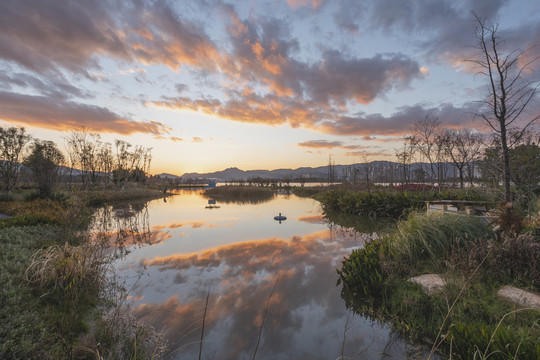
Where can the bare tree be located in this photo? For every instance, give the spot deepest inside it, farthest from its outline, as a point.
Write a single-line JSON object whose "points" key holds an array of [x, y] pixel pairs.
{"points": [[509, 94], [12, 143], [83, 148], [404, 157], [425, 133], [367, 169], [463, 147], [331, 171]]}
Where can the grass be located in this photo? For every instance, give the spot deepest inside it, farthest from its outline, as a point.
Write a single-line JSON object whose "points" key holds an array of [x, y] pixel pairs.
{"points": [[58, 298], [430, 238], [392, 204], [469, 317], [240, 194], [24, 330], [103, 197]]}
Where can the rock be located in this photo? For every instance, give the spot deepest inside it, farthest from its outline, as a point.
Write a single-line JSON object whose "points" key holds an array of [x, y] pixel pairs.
{"points": [[431, 283], [520, 297], [2, 216]]}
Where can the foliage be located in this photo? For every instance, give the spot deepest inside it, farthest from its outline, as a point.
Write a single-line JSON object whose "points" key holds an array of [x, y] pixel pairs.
{"points": [[240, 194], [12, 143], [67, 305], [431, 238], [362, 274], [309, 191], [44, 161], [392, 204], [70, 280], [479, 325], [97, 198], [24, 331], [482, 342]]}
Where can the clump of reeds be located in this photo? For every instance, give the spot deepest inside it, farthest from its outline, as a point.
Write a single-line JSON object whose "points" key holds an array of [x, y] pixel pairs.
{"points": [[433, 236], [69, 272], [240, 194]]}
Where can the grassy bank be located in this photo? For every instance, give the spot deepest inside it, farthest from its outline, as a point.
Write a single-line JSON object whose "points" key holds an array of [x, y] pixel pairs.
{"points": [[240, 194], [389, 203], [58, 298], [467, 319]]}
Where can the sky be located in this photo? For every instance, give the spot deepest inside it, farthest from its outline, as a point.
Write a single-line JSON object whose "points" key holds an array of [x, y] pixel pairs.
{"points": [[268, 84]]}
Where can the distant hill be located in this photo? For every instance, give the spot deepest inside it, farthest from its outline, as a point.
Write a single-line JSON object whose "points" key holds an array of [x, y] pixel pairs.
{"points": [[167, 176], [320, 172]]}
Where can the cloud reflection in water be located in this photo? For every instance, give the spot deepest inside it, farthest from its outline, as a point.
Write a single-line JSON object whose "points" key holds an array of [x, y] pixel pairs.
{"points": [[306, 316]]}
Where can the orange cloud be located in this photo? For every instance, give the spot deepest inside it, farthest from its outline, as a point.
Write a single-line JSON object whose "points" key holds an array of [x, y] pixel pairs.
{"points": [[63, 115], [240, 278], [295, 4]]}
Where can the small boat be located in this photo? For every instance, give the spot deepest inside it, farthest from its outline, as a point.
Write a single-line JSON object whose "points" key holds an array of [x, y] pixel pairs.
{"points": [[212, 205], [280, 217]]}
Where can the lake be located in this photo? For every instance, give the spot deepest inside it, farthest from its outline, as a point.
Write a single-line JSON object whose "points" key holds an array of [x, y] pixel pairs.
{"points": [[271, 286]]}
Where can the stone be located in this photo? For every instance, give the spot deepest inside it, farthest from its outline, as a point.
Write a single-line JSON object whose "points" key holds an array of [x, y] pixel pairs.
{"points": [[520, 297], [431, 283]]}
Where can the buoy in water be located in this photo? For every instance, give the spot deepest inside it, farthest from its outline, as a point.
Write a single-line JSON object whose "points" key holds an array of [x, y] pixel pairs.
{"points": [[280, 218]]}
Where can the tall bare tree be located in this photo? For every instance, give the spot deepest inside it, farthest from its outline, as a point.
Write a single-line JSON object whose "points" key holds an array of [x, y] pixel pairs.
{"points": [[509, 91], [12, 143], [425, 133], [464, 148], [404, 157]]}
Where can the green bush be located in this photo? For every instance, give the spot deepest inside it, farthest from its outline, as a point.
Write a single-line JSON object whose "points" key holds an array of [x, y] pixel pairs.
{"points": [[362, 274]]}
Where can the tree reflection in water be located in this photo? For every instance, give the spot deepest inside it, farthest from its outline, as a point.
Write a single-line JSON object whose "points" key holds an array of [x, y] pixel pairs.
{"points": [[123, 226]]}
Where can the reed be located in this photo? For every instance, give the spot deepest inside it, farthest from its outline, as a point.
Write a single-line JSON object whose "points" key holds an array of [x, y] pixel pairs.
{"points": [[431, 237]]}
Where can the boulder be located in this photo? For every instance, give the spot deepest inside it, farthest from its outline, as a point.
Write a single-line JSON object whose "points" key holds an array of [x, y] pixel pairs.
{"points": [[431, 283], [520, 297]]}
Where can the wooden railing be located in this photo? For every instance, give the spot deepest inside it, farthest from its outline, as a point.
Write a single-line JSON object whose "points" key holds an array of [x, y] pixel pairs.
{"points": [[462, 207]]}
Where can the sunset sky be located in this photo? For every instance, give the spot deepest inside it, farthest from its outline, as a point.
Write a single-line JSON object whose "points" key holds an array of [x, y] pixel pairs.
{"points": [[211, 84]]}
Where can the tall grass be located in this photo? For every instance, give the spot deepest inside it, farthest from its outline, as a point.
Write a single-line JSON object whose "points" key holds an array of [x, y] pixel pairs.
{"points": [[58, 297], [393, 204], [240, 194], [433, 236], [467, 316]]}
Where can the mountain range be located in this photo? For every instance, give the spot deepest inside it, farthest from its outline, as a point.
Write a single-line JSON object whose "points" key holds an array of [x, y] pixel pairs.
{"points": [[320, 172]]}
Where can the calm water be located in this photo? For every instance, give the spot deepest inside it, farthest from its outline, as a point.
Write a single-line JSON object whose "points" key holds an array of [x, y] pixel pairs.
{"points": [[238, 253]]}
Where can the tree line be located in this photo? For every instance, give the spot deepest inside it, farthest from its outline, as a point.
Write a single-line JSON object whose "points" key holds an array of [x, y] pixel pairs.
{"points": [[89, 161]]}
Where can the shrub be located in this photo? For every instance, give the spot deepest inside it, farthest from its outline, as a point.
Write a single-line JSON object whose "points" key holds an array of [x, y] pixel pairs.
{"points": [[362, 274]]}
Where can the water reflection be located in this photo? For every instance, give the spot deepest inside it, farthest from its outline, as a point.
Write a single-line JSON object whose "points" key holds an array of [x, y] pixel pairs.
{"points": [[125, 226], [237, 254], [240, 277]]}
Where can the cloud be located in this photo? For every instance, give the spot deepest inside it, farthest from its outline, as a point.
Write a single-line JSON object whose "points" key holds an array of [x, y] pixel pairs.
{"points": [[196, 139], [376, 154], [446, 28], [265, 83], [54, 113], [294, 4], [321, 144], [240, 288], [400, 122], [325, 144], [55, 88], [71, 36], [382, 140]]}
